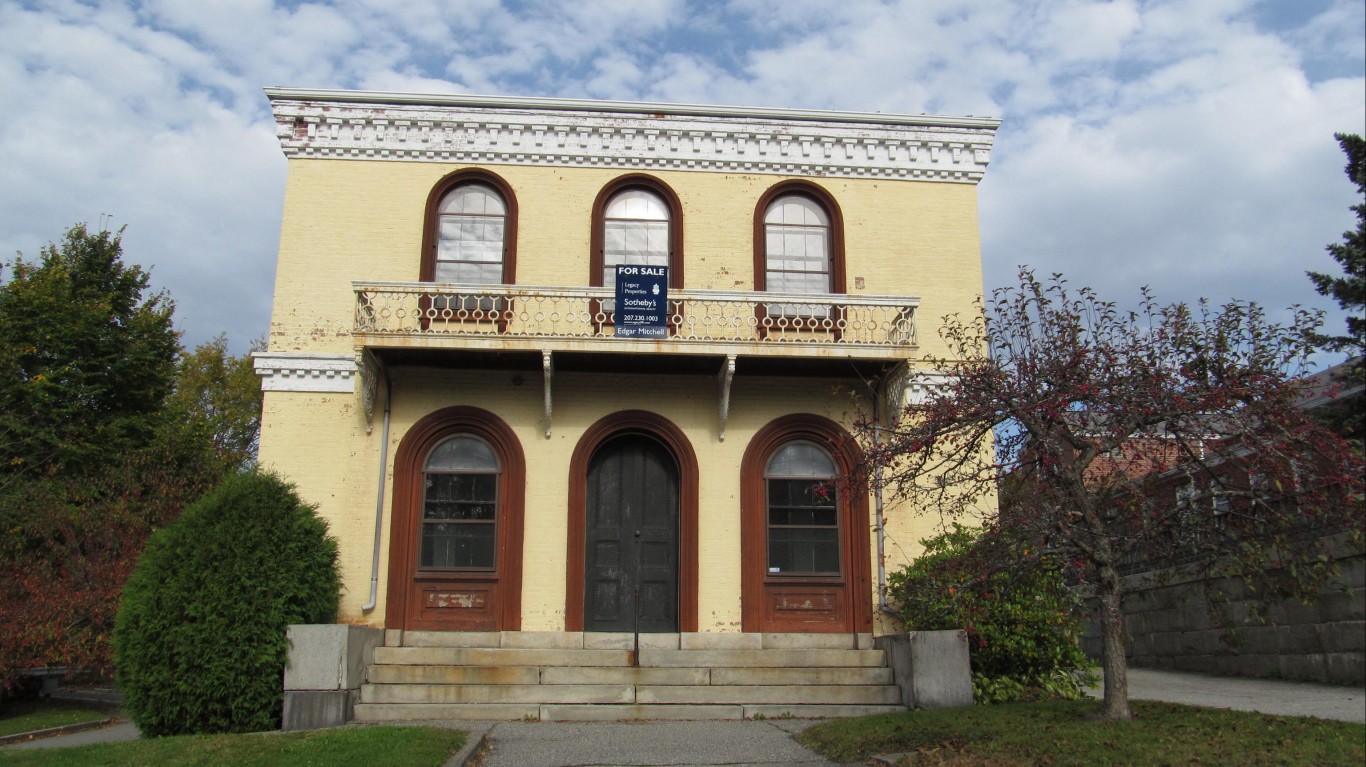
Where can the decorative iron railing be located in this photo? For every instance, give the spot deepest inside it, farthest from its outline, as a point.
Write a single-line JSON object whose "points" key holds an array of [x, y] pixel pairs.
{"points": [[420, 310]]}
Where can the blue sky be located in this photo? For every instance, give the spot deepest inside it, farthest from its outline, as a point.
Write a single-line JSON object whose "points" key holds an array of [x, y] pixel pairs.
{"points": [[1183, 144]]}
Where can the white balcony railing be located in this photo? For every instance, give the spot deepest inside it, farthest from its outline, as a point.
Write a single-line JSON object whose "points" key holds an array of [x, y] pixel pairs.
{"points": [[409, 313]]}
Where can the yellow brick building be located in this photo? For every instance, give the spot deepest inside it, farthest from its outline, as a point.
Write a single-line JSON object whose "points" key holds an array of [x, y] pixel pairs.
{"points": [[500, 441]]}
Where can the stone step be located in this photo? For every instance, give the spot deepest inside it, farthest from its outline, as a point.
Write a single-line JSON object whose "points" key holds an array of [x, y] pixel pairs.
{"points": [[592, 640], [604, 693], [502, 712], [405, 674], [384, 712], [592, 676], [499, 693], [484, 656], [778, 658], [421, 674], [863, 675], [771, 694]]}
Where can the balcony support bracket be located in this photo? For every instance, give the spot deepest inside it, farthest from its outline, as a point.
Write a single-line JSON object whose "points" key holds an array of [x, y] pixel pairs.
{"points": [[723, 380], [371, 371], [548, 370]]}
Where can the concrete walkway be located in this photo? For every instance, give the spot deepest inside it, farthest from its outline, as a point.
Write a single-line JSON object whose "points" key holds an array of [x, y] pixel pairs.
{"points": [[1266, 696], [742, 743]]}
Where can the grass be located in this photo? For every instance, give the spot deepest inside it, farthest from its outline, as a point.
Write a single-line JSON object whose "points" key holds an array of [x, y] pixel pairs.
{"points": [[1060, 734], [395, 746], [30, 715]]}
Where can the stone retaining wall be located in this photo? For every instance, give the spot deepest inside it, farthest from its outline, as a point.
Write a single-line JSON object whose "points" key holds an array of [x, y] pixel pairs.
{"points": [[1170, 627]]}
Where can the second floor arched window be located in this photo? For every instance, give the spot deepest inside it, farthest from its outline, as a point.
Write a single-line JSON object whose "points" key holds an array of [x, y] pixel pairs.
{"points": [[796, 246], [635, 231], [637, 221], [471, 231]]}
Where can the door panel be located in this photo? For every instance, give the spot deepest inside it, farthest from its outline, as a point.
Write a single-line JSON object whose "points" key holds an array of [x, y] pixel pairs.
{"points": [[631, 541]]}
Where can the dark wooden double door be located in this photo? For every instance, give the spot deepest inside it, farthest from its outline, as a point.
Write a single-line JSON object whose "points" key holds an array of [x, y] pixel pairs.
{"points": [[631, 541]]}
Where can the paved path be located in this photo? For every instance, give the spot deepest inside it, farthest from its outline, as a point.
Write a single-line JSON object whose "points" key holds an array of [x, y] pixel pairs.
{"points": [[644, 744], [1267, 696]]}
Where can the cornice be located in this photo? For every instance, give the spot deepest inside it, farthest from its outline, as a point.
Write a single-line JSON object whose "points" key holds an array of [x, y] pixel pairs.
{"points": [[572, 133], [302, 372]]}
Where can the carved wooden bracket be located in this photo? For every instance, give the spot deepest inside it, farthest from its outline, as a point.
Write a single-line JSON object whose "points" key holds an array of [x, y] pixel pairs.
{"points": [[548, 369], [724, 379]]}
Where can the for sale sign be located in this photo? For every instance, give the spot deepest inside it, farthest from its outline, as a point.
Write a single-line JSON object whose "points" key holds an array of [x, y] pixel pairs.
{"points": [[642, 301]]}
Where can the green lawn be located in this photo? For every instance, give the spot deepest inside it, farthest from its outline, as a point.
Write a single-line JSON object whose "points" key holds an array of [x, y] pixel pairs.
{"points": [[391, 746], [1060, 734], [30, 715]]}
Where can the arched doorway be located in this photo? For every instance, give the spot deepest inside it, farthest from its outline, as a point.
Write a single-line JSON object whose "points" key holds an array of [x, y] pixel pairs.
{"points": [[632, 558], [631, 537]]}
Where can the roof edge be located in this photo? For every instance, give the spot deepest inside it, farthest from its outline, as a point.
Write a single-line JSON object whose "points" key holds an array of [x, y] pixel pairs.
{"points": [[623, 107]]}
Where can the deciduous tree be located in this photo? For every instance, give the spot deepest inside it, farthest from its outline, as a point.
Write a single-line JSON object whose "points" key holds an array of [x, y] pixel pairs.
{"points": [[106, 432], [1098, 415]]}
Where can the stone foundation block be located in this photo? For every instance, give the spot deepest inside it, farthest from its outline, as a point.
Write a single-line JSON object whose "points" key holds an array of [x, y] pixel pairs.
{"points": [[931, 667]]}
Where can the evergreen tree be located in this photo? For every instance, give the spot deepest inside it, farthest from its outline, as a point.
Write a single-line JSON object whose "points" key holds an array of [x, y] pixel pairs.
{"points": [[1347, 416], [1350, 289], [87, 356]]}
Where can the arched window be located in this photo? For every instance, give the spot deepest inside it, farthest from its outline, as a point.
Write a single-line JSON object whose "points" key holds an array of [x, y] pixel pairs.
{"points": [[796, 246], [798, 241], [470, 234], [637, 220], [635, 232], [471, 230], [804, 529], [802, 511], [455, 549], [460, 506], [798, 250]]}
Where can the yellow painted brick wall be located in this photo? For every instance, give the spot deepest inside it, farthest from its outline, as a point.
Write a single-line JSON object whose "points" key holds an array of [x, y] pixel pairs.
{"points": [[358, 220], [349, 220], [320, 442]]}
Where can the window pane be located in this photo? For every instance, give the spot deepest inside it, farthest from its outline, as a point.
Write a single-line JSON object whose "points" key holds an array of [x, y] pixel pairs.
{"points": [[796, 209], [801, 459], [470, 236], [647, 240], [796, 246], [478, 488], [478, 199], [803, 550], [637, 204], [456, 545], [462, 454]]}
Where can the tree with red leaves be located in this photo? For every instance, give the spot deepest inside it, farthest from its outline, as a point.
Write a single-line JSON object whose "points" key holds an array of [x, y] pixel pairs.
{"points": [[1166, 434]]}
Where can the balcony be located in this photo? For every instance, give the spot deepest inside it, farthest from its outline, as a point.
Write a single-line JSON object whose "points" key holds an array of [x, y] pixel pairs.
{"points": [[434, 316]]}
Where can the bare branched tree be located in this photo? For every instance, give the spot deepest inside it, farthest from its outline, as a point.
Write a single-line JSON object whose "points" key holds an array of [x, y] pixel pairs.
{"points": [[1168, 434]]}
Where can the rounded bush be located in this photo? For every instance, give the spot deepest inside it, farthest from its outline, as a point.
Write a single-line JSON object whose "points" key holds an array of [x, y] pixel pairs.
{"points": [[199, 642], [1022, 621]]}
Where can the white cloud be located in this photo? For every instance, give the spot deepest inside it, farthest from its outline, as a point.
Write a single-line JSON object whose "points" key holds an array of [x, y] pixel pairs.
{"points": [[1183, 143]]}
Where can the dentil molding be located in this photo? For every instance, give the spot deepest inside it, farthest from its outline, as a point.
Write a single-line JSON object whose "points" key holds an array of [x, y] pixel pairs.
{"points": [[302, 372], [580, 133]]}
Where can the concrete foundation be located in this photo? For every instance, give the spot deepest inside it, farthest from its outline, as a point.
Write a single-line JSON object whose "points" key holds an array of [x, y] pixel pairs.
{"points": [[324, 673], [931, 667]]}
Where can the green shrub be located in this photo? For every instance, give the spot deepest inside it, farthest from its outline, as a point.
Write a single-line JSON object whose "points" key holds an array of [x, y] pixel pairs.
{"points": [[199, 643], [1023, 623]]}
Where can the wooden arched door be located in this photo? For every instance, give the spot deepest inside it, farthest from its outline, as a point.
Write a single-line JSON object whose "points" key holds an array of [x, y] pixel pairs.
{"points": [[631, 537]]}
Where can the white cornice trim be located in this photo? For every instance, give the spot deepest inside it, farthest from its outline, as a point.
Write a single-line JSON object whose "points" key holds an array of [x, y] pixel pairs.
{"points": [[302, 372], [650, 108], [565, 132]]}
